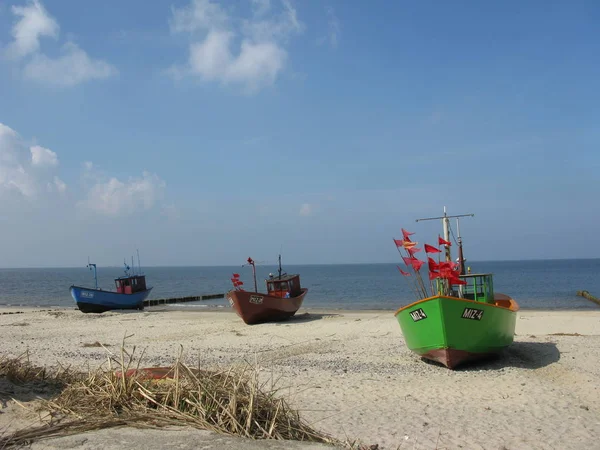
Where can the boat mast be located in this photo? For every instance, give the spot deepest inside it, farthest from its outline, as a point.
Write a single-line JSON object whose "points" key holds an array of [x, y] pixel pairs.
{"points": [[92, 266], [251, 262], [461, 258], [139, 265], [446, 225], [280, 266]]}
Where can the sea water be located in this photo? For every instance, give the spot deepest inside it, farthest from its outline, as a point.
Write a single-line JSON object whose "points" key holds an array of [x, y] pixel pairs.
{"points": [[550, 284]]}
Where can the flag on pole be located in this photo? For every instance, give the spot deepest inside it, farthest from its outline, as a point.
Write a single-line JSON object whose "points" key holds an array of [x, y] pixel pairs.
{"points": [[433, 274], [416, 263], [406, 234], [398, 242], [443, 242], [456, 280], [411, 251], [433, 266], [406, 274], [431, 249]]}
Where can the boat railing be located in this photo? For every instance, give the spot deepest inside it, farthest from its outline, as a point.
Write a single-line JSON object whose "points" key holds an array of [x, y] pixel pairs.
{"points": [[479, 288]]}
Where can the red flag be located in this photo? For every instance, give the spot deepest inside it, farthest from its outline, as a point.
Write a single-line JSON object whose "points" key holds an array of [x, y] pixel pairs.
{"points": [[443, 242], [456, 280], [398, 242], [433, 275], [416, 264], [406, 274], [406, 234], [445, 269], [250, 260], [433, 266], [239, 283], [411, 251], [431, 249], [407, 260], [236, 275]]}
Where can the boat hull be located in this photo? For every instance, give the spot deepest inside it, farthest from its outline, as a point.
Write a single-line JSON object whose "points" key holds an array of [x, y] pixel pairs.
{"points": [[254, 307], [452, 331], [98, 301]]}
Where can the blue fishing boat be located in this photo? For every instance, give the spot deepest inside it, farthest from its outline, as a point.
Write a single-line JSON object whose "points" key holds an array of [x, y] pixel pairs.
{"points": [[130, 294]]}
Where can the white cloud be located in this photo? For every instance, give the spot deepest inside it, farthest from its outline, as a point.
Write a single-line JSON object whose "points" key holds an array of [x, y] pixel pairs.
{"points": [[57, 185], [115, 197], [20, 164], [306, 209], [43, 157], [71, 67], [34, 22], [261, 40], [74, 66]]}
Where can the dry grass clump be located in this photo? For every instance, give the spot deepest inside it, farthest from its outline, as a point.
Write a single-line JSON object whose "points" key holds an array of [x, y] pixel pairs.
{"points": [[231, 401], [20, 371]]}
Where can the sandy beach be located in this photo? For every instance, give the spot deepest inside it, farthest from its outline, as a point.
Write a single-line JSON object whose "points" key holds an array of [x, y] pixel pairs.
{"points": [[350, 374]]}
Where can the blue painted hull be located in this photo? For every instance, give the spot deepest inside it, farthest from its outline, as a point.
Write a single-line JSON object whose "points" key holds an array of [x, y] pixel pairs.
{"points": [[98, 301]]}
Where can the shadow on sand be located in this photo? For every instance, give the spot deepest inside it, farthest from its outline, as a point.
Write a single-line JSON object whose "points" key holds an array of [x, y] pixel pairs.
{"points": [[522, 355], [26, 391], [309, 317]]}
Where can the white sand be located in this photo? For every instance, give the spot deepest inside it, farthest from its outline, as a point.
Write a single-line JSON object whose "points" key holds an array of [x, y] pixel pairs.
{"points": [[351, 374]]}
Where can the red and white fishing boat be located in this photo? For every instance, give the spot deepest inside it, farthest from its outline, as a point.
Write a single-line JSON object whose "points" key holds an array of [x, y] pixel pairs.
{"points": [[283, 298]]}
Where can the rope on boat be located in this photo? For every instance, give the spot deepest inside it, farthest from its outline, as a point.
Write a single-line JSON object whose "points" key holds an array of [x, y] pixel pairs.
{"points": [[590, 297]]}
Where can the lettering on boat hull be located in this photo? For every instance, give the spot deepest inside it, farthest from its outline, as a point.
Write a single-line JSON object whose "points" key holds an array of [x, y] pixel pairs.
{"points": [[418, 314], [87, 294], [256, 299], [472, 313]]}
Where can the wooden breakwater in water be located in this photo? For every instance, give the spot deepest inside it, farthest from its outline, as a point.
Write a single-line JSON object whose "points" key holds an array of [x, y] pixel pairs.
{"points": [[590, 297], [194, 298]]}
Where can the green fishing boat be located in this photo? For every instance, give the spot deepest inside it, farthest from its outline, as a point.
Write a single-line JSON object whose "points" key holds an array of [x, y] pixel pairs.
{"points": [[457, 316]]}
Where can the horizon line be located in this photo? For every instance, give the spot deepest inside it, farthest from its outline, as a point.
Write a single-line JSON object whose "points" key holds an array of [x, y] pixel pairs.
{"points": [[299, 264]]}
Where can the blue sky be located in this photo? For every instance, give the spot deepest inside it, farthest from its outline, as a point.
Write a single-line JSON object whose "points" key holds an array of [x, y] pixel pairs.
{"points": [[203, 132]]}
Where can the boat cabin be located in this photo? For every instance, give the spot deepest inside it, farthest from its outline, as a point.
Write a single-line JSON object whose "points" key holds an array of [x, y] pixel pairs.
{"points": [[284, 286], [131, 284], [479, 287]]}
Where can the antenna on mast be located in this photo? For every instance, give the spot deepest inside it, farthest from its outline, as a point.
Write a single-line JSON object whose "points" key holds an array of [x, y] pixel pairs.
{"points": [[446, 225], [139, 265], [280, 266], [92, 266]]}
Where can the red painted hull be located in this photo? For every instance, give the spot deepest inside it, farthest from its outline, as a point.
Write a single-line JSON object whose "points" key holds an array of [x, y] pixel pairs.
{"points": [[254, 307], [451, 357]]}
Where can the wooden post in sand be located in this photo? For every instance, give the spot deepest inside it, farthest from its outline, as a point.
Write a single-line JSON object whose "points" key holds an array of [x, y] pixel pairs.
{"points": [[590, 297]]}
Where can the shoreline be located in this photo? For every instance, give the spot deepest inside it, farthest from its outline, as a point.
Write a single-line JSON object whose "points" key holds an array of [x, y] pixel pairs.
{"points": [[226, 308]]}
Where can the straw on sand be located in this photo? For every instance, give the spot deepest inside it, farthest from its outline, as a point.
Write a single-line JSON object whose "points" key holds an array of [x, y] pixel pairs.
{"points": [[231, 401]]}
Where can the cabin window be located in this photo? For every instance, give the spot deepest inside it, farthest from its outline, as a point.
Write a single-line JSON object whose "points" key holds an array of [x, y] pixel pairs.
{"points": [[282, 286]]}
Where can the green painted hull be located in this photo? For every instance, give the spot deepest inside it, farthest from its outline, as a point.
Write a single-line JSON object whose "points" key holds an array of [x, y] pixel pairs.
{"points": [[451, 331]]}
